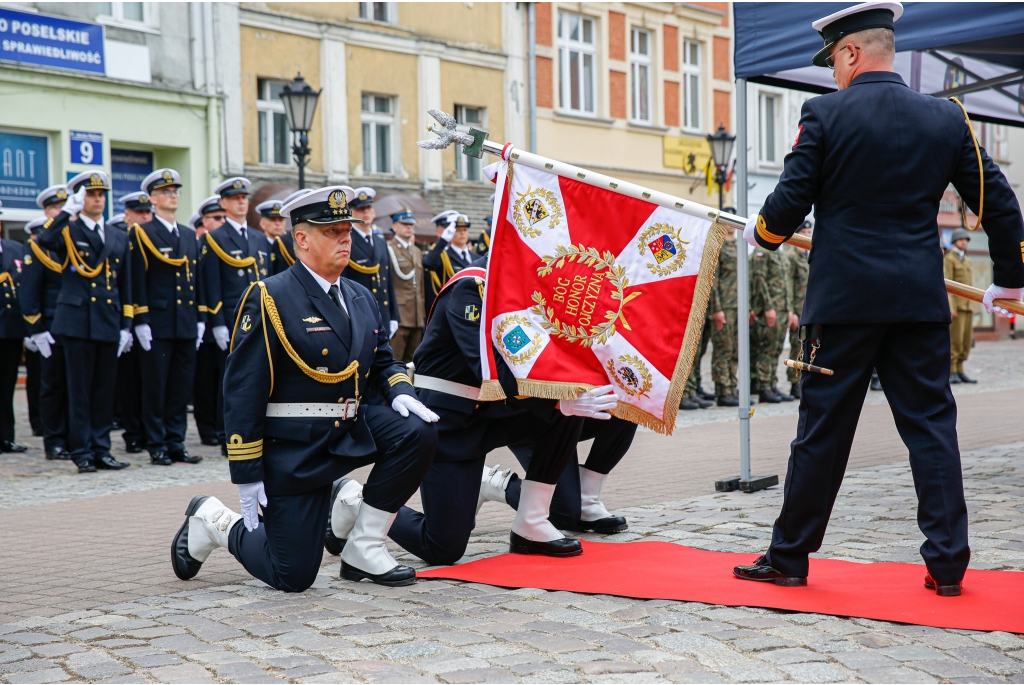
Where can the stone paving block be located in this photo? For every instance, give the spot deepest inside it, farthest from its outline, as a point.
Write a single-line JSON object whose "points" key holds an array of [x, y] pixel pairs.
{"points": [[611, 667], [150, 633], [684, 642], [750, 673], [218, 658], [489, 674], [947, 668], [184, 644], [894, 675], [460, 638], [287, 662], [385, 638], [449, 664], [15, 654], [388, 672], [29, 638], [989, 660], [49, 675], [26, 666], [304, 671], [106, 670], [414, 650], [543, 642], [204, 628], [912, 653], [797, 655], [156, 660], [628, 677], [565, 676], [814, 673], [520, 658], [1004, 641], [184, 673], [619, 645], [760, 644], [861, 660]]}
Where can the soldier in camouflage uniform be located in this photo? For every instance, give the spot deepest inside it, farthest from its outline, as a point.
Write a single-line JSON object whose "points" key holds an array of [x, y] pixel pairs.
{"points": [[769, 308], [722, 306], [694, 395], [796, 281]]}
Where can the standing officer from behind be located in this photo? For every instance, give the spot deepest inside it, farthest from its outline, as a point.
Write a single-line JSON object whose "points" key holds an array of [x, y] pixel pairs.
{"points": [[274, 228], [168, 324], [230, 258], [407, 273], [12, 334], [209, 217], [874, 160], [93, 315], [956, 266], [304, 343], [796, 281], [370, 265]]}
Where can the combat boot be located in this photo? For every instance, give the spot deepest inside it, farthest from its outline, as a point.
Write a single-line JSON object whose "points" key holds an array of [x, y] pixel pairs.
{"points": [[689, 403], [794, 390], [730, 400], [769, 397]]}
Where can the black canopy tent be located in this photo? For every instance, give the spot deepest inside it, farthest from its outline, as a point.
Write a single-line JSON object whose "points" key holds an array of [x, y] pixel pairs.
{"points": [[971, 50]]}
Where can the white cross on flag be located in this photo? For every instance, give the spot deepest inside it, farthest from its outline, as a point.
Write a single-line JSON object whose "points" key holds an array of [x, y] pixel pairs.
{"points": [[588, 287]]}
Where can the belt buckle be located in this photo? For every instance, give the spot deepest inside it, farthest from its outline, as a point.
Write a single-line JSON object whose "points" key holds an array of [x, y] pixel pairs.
{"points": [[351, 407]]}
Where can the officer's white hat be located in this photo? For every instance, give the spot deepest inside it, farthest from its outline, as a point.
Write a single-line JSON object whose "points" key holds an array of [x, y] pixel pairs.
{"points": [[90, 180], [270, 209], [210, 204], [138, 200], [462, 221], [116, 219], [442, 218], [236, 185], [58, 193], [297, 193], [867, 15], [363, 197], [31, 226], [161, 178], [195, 220], [322, 207]]}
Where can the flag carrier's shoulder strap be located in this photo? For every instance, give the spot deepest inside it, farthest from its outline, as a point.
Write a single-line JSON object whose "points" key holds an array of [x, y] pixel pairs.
{"points": [[468, 272]]}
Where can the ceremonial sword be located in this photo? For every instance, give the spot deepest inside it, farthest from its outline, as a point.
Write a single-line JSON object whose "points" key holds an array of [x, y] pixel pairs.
{"points": [[475, 143]]}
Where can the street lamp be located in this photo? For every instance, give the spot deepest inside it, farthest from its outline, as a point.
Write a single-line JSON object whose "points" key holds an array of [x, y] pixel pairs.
{"points": [[299, 107], [721, 153]]}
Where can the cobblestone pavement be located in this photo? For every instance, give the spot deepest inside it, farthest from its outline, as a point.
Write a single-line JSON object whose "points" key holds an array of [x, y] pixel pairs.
{"points": [[461, 632]]}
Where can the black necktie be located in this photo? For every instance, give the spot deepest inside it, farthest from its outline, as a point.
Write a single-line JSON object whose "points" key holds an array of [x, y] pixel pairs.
{"points": [[335, 296]]}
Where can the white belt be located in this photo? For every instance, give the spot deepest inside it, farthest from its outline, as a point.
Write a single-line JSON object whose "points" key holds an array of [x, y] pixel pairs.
{"points": [[447, 387], [343, 410]]}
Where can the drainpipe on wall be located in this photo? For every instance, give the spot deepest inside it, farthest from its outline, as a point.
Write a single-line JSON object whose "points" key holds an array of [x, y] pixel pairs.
{"points": [[212, 119], [531, 38]]}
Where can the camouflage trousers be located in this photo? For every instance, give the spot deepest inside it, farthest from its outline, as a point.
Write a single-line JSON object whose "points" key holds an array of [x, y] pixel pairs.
{"points": [[725, 355], [693, 382], [794, 351], [766, 343]]}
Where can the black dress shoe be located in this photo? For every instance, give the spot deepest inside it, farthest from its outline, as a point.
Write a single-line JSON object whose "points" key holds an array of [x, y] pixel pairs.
{"points": [[86, 467], [769, 397], [705, 395], [223, 450], [185, 566], [606, 526], [954, 378], [728, 401], [37, 432], [396, 577], [565, 547], [760, 570], [132, 447], [951, 590], [182, 455], [783, 396], [115, 425], [108, 463], [965, 379], [703, 404], [160, 458], [212, 442], [794, 390], [8, 446], [689, 403], [58, 453], [332, 543]]}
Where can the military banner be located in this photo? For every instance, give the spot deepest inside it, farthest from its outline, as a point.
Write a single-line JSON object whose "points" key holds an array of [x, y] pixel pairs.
{"points": [[587, 287]]}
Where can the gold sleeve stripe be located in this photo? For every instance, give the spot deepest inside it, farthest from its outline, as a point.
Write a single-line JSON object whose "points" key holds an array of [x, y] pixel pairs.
{"points": [[399, 378], [767, 235], [214, 310], [203, 308], [138, 310], [371, 270], [129, 311], [31, 319], [239, 451]]}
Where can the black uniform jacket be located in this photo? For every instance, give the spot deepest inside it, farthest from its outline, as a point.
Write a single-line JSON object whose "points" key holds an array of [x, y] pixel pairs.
{"points": [[378, 282], [40, 284], [12, 270], [282, 253], [164, 280], [228, 265], [874, 160], [328, 358], [95, 294], [440, 264]]}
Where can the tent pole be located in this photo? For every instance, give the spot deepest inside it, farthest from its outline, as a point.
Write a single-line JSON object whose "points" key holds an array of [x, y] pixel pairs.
{"points": [[742, 280]]}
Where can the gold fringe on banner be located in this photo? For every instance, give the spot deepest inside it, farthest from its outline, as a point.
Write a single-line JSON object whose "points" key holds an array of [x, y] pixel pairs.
{"points": [[491, 391], [552, 390]]}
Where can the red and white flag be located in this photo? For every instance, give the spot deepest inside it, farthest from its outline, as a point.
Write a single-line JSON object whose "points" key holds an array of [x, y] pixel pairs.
{"points": [[588, 287]]}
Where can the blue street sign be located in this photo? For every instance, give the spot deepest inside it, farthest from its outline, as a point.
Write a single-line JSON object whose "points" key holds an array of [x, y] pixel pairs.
{"points": [[86, 148], [51, 42], [24, 169], [127, 170]]}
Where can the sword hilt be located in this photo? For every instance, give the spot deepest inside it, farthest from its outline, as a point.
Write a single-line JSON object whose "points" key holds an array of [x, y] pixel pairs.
{"points": [[801, 366]]}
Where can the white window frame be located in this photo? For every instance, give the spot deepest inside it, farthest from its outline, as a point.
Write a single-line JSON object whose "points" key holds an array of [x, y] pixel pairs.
{"points": [[375, 119], [465, 166], [366, 11], [693, 85], [640, 64], [774, 136], [269, 108], [584, 49], [150, 17]]}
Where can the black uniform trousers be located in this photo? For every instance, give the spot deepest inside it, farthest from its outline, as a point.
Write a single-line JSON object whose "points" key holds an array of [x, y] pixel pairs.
{"points": [[450, 489], [168, 369], [286, 549], [208, 391], [32, 384], [612, 439], [913, 365], [129, 396], [53, 396], [10, 358], [92, 380]]}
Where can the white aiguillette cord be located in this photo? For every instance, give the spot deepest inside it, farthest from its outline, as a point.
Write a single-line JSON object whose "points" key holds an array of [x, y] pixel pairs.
{"points": [[394, 265]]}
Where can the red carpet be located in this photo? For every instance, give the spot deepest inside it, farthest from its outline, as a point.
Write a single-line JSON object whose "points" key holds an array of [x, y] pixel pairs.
{"points": [[991, 600]]}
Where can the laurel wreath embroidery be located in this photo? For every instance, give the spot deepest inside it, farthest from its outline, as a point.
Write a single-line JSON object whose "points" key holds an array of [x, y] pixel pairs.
{"points": [[673, 264], [532, 349], [550, 206], [601, 332], [635, 387]]}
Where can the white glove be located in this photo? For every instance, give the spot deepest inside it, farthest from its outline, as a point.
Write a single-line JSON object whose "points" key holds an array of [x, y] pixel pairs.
{"points": [[200, 332], [591, 404], [448, 233], [221, 336], [76, 202], [31, 346], [126, 342], [394, 328], [750, 230], [42, 342], [404, 404], [248, 495], [996, 292], [145, 335]]}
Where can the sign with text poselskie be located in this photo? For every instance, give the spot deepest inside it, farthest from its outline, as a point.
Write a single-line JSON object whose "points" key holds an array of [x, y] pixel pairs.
{"points": [[51, 42]]}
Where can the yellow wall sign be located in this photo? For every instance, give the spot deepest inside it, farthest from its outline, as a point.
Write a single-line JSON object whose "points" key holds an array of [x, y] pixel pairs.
{"points": [[688, 153]]}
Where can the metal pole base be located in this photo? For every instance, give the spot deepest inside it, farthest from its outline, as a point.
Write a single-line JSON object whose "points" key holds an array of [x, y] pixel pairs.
{"points": [[727, 484], [754, 484]]}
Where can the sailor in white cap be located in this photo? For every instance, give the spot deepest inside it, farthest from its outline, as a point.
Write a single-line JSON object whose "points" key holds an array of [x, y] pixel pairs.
{"points": [[51, 199], [12, 332], [370, 265], [274, 227], [435, 280]]}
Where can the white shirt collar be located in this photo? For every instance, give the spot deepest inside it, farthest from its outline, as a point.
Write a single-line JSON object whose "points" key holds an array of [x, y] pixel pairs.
{"points": [[238, 227], [270, 239], [168, 225], [326, 285], [89, 223], [402, 242]]}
